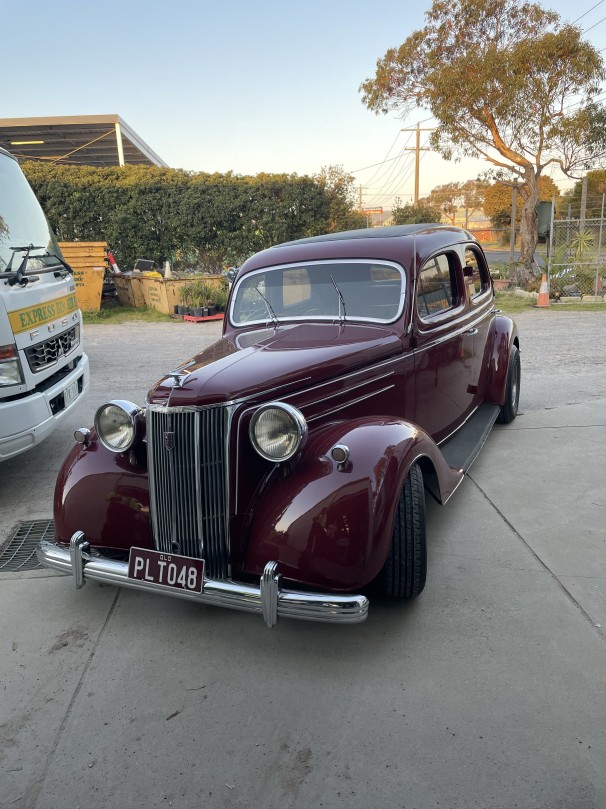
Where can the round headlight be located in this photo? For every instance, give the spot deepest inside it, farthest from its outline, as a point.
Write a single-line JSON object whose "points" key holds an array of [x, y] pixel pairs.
{"points": [[277, 431], [115, 425]]}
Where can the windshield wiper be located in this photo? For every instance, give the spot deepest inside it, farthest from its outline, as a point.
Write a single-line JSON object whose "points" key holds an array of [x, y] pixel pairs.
{"points": [[19, 276], [341, 301], [272, 314]]}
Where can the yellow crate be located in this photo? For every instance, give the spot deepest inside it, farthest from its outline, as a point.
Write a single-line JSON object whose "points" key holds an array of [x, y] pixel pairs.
{"points": [[87, 259], [129, 291], [89, 286], [164, 294]]}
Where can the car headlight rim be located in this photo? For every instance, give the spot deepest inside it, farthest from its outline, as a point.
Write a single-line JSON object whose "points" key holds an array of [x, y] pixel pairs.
{"points": [[120, 435], [289, 424]]}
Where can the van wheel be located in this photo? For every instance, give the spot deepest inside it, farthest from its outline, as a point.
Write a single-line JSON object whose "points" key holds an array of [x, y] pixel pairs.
{"points": [[405, 570], [509, 410]]}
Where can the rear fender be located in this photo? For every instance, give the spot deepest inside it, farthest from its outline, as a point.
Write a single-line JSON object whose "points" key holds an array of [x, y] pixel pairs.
{"points": [[504, 335], [329, 525]]}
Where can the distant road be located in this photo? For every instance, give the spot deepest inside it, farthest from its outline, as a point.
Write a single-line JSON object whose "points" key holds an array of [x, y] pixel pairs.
{"points": [[502, 254]]}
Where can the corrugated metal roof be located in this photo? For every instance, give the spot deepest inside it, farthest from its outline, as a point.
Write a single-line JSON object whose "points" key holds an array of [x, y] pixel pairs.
{"points": [[87, 140]]}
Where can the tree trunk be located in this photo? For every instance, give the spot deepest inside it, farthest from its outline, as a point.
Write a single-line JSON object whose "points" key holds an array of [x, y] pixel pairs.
{"points": [[524, 274]]}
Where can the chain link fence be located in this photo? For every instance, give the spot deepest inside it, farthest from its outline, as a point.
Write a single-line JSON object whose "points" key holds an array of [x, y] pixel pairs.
{"points": [[577, 259]]}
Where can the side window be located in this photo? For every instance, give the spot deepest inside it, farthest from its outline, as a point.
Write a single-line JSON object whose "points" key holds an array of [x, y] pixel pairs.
{"points": [[437, 287], [476, 273]]}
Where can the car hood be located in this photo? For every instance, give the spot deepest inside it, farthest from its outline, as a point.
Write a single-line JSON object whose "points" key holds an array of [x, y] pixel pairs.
{"points": [[273, 362]]}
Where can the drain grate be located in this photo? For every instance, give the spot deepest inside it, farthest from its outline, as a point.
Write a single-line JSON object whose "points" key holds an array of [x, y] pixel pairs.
{"points": [[20, 553]]}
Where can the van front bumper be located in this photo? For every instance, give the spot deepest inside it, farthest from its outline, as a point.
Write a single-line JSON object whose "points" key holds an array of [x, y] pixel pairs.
{"points": [[28, 420], [268, 599]]}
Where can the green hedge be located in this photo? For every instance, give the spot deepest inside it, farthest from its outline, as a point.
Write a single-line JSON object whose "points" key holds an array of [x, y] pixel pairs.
{"points": [[196, 220]]}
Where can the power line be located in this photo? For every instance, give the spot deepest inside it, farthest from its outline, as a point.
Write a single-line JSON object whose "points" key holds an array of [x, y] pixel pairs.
{"points": [[399, 179], [378, 171], [394, 182], [385, 174], [582, 102], [355, 171], [587, 12], [594, 25]]}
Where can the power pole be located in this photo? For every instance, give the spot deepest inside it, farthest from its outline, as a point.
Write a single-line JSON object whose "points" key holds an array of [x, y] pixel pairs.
{"points": [[512, 235], [417, 150], [583, 203]]}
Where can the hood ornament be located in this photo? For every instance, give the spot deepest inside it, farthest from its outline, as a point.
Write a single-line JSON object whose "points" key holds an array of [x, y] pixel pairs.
{"points": [[180, 374], [179, 377]]}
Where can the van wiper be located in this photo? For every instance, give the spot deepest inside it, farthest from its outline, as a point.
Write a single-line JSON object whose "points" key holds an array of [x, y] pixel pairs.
{"points": [[272, 314], [19, 276], [341, 301], [64, 264]]}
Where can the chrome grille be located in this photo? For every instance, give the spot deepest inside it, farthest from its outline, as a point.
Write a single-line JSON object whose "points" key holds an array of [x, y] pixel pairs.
{"points": [[47, 353], [186, 453]]}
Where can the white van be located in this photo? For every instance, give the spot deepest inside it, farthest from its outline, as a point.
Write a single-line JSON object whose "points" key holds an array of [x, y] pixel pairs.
{"points": [[43, 367]]}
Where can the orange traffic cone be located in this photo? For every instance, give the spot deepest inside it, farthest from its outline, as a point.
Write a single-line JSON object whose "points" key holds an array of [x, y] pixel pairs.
{"points": [[543, 300]]}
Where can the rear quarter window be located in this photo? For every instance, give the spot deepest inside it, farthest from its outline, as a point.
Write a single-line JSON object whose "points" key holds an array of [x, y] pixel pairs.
{"points": [[476, 273]]}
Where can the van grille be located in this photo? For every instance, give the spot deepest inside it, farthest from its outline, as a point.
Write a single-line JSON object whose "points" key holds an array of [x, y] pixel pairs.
{"points": [[186, 452], [48, 353]]}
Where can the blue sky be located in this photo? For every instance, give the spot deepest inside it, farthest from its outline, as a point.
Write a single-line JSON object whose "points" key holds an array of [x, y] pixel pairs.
{"points": [[240, 86]]}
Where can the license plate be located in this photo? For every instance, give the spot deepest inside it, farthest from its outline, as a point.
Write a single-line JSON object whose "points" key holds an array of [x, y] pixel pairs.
{"points": [[178, 572], [70, 394]]}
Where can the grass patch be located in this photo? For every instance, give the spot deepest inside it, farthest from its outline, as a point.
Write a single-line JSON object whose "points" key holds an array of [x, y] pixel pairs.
{"points": [[121, 314], [510, 304]]}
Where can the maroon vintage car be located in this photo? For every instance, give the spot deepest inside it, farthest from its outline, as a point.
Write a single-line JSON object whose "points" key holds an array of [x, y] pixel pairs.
{"points": [[283, 470]]}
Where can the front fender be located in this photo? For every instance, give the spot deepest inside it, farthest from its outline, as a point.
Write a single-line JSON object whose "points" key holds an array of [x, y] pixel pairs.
{"points": [[106, 495], [329, 526]]}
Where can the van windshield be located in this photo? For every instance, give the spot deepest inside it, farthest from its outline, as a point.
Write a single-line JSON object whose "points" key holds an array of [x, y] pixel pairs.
{"points": [[22, 221], [322, 290]]}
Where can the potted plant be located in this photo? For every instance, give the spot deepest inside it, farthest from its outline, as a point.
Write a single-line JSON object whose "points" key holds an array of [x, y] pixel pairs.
{"points": [[185, 296], [220, 296]]}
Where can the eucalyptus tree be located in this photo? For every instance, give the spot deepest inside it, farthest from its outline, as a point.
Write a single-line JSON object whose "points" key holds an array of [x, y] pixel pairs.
{"points": [[506, 81]]}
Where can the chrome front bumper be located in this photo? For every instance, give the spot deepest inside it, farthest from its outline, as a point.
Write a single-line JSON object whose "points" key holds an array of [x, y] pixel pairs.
{"points": [[269, 599]]}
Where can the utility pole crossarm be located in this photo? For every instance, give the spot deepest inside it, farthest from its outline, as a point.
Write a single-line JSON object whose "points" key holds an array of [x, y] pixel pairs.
{"points": [[417, 149]]}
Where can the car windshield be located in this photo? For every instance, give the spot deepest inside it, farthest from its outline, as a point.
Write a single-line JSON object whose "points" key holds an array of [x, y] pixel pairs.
{"points": [[22, 222], [330, 290]]}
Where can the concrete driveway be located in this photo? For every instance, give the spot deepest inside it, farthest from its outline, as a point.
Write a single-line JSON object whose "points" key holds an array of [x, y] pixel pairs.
{"points": [[489, 691]]}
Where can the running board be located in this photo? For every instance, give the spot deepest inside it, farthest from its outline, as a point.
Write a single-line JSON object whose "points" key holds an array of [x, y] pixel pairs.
{"points": [[464, 447]]}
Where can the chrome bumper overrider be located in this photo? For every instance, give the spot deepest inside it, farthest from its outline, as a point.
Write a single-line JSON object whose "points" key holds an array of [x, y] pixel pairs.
{"points": [[269, 599]]}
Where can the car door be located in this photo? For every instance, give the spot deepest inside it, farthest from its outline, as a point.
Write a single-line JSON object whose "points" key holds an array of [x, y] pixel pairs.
{"points": [[443, 346]]}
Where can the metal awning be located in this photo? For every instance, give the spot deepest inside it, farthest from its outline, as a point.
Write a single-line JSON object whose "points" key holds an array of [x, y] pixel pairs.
{"points": [[85, 140]]}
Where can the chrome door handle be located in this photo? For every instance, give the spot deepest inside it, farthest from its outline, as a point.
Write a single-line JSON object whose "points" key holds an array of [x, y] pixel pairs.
{"points": [[471, 331]]}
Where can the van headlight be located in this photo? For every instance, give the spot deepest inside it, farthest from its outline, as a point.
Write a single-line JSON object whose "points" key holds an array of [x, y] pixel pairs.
{"points": [[119, 424], [277, 430], [10, 367]]}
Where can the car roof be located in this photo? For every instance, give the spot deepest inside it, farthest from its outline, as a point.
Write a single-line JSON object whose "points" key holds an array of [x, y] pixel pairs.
{"points": [[404, 244], [390, 232]]}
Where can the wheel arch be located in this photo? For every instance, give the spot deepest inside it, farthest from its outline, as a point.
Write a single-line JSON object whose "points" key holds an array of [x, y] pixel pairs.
{"points": [[330, 525]]}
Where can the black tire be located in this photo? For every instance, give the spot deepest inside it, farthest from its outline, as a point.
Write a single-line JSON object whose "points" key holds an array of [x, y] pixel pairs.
{"points": [[509, 410], [405, 570]]}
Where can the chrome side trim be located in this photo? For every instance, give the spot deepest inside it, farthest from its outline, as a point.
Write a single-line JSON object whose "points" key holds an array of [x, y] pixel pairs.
{"points": [[306, 606], [347, 391], [350, 403], [384, 364], [460, 332]]}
